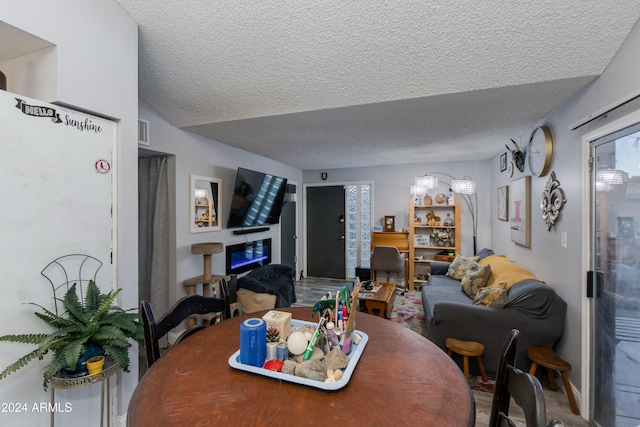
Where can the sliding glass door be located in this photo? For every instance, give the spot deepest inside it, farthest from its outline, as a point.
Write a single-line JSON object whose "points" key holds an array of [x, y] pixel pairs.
{"points": [[616, 296]]}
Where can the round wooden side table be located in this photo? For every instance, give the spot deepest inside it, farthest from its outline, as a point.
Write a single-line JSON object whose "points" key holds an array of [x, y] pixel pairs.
{"points": [[110, 368]]}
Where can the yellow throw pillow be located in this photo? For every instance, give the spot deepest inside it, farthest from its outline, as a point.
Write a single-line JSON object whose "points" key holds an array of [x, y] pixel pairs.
{"points": [[475, 279], [494, 296], [505, 270], [460, 265]]}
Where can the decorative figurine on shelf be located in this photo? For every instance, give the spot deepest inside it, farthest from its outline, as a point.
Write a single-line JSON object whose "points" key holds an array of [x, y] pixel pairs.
{"points": [[451, 200], [448, 221], [432, 219], [428, 201]]}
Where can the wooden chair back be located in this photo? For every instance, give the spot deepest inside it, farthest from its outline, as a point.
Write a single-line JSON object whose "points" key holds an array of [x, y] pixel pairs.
{"points": [[183, 308], [525, 389]]}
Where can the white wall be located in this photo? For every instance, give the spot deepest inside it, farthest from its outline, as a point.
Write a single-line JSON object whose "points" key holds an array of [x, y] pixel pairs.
{"points": [[202, 156], [97, 48]]}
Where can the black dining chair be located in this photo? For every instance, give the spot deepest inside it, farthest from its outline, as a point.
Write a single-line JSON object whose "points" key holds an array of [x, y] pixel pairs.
{"points": [[183, 308], [525, 389]]}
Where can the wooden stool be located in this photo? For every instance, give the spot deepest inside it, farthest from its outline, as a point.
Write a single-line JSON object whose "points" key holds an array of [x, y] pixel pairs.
{"points": [[547, 358], [466, 349]]}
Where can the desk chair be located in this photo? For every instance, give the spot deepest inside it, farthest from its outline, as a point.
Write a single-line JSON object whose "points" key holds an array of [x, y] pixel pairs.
{"points": [[525, 389], [183, 308], [389, 260]]}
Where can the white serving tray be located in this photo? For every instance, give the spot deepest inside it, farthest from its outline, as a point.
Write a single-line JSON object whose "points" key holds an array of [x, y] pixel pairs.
{"points": [[354, 356]]}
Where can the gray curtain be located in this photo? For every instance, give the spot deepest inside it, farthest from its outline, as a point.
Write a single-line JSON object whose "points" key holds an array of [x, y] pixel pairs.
{"points": [[153, 233]]}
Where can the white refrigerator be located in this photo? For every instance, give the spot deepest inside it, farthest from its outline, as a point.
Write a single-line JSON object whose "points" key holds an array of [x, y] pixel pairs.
{"points": [[57, 178]]}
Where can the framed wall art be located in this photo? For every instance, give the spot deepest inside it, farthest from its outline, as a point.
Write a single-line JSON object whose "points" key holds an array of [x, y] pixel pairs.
{"points": [[503, 162], [503, 203], [205, 204], [520, 211]]}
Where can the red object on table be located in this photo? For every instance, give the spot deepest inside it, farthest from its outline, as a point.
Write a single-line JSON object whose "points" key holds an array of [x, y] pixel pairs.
{"points": [[274, 365]]}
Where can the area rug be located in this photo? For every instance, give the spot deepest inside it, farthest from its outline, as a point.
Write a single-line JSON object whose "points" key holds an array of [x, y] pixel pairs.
{"points": [[408, 312], [477, 384]]}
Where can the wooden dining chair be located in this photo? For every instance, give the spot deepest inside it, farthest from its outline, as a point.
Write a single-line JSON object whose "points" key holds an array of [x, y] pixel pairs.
{"points": [[525, 389], [183, 308]]}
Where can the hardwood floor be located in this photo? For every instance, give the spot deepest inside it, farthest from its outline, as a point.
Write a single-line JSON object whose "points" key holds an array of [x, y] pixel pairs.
{"points": [[309, 290]]}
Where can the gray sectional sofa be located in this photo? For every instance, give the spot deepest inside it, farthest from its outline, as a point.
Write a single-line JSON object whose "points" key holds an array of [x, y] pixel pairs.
{"points": [[532, 307]]}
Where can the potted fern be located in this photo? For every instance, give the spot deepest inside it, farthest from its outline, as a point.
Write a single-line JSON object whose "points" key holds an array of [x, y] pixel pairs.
{"points": [[85, 329]]}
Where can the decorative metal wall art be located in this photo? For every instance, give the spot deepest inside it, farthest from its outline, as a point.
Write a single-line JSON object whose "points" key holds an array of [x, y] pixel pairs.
{"points": [[552, 201], [517, 155]]}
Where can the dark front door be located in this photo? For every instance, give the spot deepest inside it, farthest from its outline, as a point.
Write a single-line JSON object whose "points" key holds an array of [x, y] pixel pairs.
{"points": [[326, 232]]}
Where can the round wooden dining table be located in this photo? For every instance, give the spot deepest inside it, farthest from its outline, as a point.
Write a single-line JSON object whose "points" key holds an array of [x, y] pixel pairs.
{"points": [[401, 378]]}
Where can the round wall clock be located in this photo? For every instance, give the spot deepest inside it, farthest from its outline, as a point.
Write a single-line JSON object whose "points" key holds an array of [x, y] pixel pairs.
{"points": [[539, 151]]}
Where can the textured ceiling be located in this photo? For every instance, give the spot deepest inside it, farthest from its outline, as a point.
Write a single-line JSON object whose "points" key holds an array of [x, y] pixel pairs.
{"points": [[337, 84]]}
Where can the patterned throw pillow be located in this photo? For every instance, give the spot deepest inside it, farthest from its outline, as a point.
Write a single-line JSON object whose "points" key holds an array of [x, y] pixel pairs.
{"points": [[494, 296], [460, 265], [475, 278]]}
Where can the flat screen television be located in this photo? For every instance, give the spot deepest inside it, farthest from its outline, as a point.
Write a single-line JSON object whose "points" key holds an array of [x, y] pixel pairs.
{"points": [[257, 199], [247, 256]]}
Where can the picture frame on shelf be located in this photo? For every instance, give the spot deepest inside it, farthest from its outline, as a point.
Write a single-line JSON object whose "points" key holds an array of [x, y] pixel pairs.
{"points": [[520, 211], [503, 203], [377, 228], [205, 201], [503, 162]]}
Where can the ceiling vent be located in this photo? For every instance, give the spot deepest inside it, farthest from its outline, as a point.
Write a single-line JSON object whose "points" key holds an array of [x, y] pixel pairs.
{"points": [[143, 132]]}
